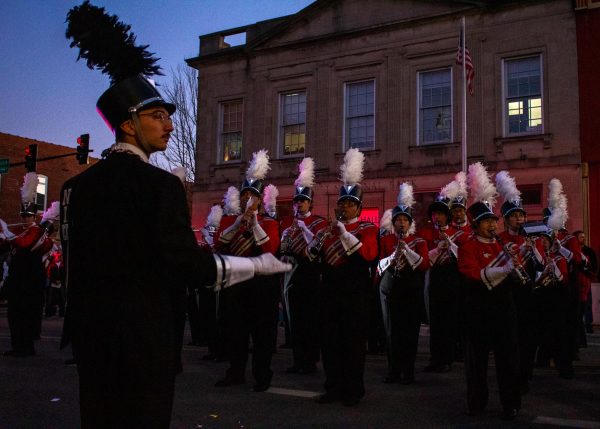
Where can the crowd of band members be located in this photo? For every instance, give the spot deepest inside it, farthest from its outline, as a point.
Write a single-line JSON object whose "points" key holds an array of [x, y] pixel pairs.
{"points": [[457, 276]]}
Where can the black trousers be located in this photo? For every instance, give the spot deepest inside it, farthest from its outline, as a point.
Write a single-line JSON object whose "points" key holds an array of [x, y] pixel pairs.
{"points": [[252, 310], [344, 326], [24, 312], [443, 313], [303, 301], [492, 326], [401, 303], [526, 328]]}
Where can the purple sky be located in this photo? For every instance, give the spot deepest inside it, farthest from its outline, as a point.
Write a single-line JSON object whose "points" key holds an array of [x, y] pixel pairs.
{"points": [[47, 95]]}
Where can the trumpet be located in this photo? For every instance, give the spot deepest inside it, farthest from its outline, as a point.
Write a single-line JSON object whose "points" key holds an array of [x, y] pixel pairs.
{"points": [[519, 269], [315, 246], [548, 276], [446, 238], [399, 262]]}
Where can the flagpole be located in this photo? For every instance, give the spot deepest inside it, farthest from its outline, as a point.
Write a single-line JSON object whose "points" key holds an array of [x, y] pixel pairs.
{"points": [[463, 142]]}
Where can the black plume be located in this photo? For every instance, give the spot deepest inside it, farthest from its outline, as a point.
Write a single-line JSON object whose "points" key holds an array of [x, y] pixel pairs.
{"points": [[107, 44]]}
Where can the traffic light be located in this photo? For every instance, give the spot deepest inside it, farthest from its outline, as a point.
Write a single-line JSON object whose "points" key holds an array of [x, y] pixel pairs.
{"points": [[83, 148], [31, 158]]}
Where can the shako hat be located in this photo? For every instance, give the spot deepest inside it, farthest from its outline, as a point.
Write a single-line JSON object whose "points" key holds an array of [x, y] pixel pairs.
{"points": [[507, 187], [108, 45], [256, 173], [351, 176], [483, 192], [306, 180], [29, 194], [405, 202], [456, 191]]}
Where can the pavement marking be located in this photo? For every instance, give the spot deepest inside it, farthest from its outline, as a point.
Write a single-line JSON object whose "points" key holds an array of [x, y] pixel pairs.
{"points": [[293, 392], [584, 424]]}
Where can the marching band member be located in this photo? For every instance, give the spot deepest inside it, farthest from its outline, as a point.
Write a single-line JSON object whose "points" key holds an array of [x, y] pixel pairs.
{"points": [[514, 216], [24, 285], [402, 265], [128, 358], [568, 246], [489, 307], [442, 289], [252, 307], [457, 193], [552, 297], [346, 248], [301, 285]]}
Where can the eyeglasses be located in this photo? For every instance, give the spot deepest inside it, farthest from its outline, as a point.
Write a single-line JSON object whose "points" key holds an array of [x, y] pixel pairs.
{"points": [[159, 116]]}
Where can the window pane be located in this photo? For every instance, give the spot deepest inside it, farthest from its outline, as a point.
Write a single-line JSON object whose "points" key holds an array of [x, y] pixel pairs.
{"points": [[293, 122], [231, 130], [435, 110], [360, 115], [523, 95], [294, 138]]}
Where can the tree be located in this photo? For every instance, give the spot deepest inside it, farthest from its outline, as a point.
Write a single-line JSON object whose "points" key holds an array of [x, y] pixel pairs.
{"points": [[183, 92]]}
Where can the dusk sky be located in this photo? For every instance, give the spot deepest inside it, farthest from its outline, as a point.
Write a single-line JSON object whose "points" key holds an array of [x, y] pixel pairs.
{"points": [[47, 95]]}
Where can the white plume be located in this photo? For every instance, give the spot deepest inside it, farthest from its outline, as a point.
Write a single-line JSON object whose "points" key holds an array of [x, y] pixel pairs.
{"points": [[259, 166], [556, 196], [482, 188], [386, 221], [456, 188], [180, 172], [307, 173], [352, 169], [405, 196], [231, 201], [270, 195], [29, 188], [52, 213], [214, 217], [507, 187], [557, 219]]}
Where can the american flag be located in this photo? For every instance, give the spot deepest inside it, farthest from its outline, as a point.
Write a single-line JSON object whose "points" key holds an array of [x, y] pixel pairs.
{"points": [[470, 71]]}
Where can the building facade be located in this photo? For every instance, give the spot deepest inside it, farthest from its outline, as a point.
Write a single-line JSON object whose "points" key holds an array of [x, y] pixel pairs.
{"points": [[51, 174], [382, 76]]}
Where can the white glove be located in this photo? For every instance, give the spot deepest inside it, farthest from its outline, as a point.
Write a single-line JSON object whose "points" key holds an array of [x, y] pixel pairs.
{"points": [[341, 227], [267, 264], [9, 235], [413, 258], [564, 251], [260, 236], [493, 276], [350, 242], [306, 233]]}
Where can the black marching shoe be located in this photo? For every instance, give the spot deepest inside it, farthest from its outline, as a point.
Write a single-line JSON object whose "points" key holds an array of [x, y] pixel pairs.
{"points": [[230, 381]]}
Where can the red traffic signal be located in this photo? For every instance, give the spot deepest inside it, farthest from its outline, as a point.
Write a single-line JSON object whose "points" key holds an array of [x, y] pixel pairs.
{"points": [[83, 149], [31, 158]]}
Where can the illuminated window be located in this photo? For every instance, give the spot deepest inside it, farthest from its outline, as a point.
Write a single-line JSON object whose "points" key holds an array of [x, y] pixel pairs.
{"points": [[359, 115], [232, 123], [435, 106], [292, 131], [41, 197], [523, 95]]}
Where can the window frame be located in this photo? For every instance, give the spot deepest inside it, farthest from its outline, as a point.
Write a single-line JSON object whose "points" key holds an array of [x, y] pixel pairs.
{"points": [[504, 74], [281, 126], [345, 118], [419, 109], [221, 133]]}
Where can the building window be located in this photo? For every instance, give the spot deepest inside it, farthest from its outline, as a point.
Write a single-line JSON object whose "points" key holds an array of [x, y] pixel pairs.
{"points": [[292, 121], [435, 106], [359, 115], [41, 197], [232, 123], [523, 95]]}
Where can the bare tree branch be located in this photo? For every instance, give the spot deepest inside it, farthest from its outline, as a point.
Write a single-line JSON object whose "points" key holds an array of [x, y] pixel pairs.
{"points": [[183, 92]]}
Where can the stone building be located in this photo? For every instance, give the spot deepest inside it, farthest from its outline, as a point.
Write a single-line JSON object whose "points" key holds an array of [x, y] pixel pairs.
{"points": [[381, 75]]}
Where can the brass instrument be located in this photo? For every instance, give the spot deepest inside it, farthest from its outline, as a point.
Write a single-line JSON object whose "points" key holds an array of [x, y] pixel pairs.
{"points": [[399, 262], [447, 239], [518, 268], [548, 276], [286, 242], [315, 246]]}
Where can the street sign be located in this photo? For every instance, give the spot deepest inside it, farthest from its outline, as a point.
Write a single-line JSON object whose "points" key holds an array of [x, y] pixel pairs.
{"points": [[4, 163]]}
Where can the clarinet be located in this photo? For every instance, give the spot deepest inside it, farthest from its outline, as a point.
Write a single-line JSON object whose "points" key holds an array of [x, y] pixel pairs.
{"points": [[399, 262], [519, 269]]}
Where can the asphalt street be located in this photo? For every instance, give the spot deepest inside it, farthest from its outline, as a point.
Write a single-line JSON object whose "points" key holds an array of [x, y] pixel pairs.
{"points": [[41, 392]]}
